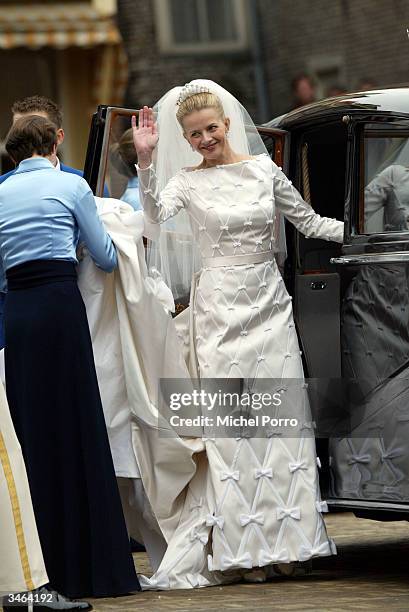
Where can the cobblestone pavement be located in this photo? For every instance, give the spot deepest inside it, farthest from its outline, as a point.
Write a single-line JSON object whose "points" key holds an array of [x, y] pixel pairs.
{"points": [[370, 572]]}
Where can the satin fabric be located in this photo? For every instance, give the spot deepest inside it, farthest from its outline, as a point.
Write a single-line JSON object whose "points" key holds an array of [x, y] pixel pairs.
{"points": [[135, 344], [244, 502], [261, 503]]}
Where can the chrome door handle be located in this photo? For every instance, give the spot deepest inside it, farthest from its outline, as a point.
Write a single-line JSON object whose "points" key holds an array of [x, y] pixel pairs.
{"points": [[378, 258]]}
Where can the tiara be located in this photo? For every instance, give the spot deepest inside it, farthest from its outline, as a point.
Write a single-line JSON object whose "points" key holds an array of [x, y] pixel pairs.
{"points": [[190, 89]]}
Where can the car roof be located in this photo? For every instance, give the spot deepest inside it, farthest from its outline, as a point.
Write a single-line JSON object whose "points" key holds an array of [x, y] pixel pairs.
{"points": [[394, 101]]}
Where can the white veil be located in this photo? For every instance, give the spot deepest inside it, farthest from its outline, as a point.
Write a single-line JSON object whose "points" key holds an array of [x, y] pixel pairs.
{"points": [[176, 255]]}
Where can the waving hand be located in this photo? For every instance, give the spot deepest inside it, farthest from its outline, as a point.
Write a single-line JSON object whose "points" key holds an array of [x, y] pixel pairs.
{"points": [[145, 135]]}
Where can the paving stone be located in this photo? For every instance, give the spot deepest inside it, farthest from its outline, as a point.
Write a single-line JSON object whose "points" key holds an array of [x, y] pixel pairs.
{"points": [[370, 572]]}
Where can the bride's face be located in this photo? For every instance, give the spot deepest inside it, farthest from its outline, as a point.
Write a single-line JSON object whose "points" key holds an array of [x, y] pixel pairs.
{"points": [[206, 132]]}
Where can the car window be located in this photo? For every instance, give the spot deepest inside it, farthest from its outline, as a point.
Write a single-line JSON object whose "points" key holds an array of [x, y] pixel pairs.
{"points": [[119, 159], [385, 184]]}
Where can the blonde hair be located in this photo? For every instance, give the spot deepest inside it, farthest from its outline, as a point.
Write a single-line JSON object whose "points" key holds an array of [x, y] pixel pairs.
{"points": [[198, 102]]}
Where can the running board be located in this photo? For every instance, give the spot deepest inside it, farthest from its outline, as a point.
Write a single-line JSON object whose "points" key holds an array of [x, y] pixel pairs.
{"points": [[352, 504]]}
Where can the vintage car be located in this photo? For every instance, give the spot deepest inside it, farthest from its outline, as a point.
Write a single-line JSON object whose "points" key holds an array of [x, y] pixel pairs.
{"points": [[349, 157]]}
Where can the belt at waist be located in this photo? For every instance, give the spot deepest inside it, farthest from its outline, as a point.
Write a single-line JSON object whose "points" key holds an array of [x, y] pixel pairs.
{"points": [[237, 260], [40, 272]]}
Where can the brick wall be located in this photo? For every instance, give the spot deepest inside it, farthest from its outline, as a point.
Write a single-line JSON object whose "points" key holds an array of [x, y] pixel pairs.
{"points": [[367, 37], [152, 74]]}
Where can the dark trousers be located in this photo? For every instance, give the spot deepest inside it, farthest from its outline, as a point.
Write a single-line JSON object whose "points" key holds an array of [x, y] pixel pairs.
{"points": [[56, 408]]}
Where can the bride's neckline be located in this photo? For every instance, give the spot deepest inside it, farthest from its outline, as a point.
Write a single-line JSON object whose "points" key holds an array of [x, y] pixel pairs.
{"points": [[241, 161]]}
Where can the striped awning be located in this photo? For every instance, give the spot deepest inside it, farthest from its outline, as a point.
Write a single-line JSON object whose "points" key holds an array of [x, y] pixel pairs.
{"points": [[33, 27]]}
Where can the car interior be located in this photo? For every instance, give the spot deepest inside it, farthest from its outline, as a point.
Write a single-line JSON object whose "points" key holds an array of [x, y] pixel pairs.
{"points": [[322, 156], [318, 165]]}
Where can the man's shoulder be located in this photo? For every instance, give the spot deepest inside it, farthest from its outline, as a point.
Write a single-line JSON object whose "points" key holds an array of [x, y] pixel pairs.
{"points": [[63, 167], [73, 179], [70, 170], [5, 176]]}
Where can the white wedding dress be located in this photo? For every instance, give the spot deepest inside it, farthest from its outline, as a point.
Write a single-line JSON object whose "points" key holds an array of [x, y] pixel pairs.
{"points": [[254, 500]]}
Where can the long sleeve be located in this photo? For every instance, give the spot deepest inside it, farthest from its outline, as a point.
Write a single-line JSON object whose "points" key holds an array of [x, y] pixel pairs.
{"points": [[92, 231], [159, 207], [386, 207], [376, 195], [295, 209]]}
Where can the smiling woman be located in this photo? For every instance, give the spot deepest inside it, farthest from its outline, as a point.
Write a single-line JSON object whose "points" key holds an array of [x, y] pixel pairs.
{"points": [[241, 328], [206, 128]]}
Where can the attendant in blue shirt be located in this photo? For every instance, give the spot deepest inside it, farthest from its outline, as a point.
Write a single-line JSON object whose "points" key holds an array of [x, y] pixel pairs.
{"points": [[51, 381], [43, 107]]}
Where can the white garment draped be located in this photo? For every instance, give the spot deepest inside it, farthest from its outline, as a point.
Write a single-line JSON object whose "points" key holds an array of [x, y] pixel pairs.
{"points": [[22, 565], [135, 345]]}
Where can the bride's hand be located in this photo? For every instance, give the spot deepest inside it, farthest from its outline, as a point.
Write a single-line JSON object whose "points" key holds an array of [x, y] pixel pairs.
{"points": [[145, 134]]}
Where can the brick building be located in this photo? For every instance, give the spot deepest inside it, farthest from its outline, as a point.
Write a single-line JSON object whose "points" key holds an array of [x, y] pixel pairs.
{"points": [[170, 42], [71, 50], [68, 50]]}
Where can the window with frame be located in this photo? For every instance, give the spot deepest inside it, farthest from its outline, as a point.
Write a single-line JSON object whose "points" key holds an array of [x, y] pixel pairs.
{"points": [[327, 71], [201, 26], [20, 3], [384, 184]]}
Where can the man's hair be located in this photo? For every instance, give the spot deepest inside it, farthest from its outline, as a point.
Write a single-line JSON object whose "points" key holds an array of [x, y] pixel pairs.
{"points": [[302, 76], [123, 156], [31, 134], [35, 104]]}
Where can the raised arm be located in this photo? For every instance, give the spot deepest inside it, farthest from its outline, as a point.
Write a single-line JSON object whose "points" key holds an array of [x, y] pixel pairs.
{"points": [[92, 231], [158, 207], [301, 214]]}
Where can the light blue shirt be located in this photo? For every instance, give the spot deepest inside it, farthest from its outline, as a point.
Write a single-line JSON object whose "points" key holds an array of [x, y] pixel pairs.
{"points": [[131, 194], [43, 213]]}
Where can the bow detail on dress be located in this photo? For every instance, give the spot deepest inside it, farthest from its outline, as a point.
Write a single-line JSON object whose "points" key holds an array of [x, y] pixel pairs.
{"points": [[392, 453], [196, 535], [323, 550], [297, 465], [214, 520], [294, 513], [245, 519], [263, 472], [159, 582], [265, 558], [359, 459], [226, 475], [227, 562]]}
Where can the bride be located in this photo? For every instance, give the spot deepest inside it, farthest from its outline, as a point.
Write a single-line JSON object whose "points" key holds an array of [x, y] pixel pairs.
{"points": [[254, 501]]}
